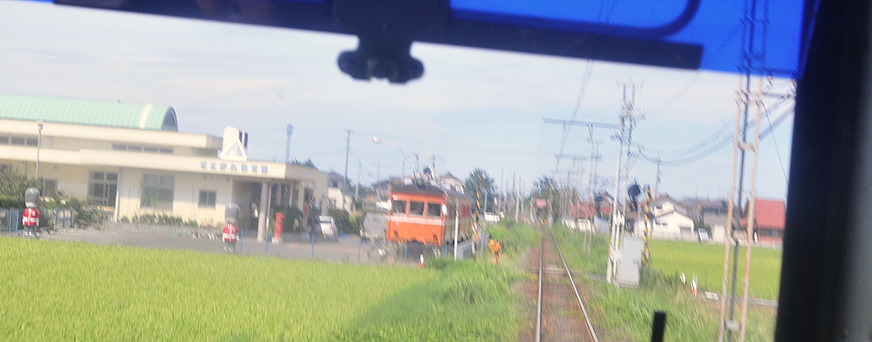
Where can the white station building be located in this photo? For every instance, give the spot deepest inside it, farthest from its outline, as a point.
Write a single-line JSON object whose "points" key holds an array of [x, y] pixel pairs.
{"points": [[131, 160]]}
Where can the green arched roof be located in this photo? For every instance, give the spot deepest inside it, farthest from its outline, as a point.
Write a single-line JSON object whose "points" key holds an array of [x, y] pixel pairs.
{"points": [[87, 112]]}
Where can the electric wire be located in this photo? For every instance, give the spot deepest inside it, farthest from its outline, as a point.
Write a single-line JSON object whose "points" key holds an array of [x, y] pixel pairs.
{"points": [[775, 142], [670, 101], [714, 139], [584, 82], [582, 90], [715, 145]]}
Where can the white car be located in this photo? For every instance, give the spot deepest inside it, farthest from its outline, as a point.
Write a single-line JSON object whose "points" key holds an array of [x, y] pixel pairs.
{"points": [[328, 227], [703, 235]]}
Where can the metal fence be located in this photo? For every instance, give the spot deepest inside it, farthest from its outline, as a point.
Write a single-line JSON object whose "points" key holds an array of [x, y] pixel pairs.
{"points": [[10, 219]]}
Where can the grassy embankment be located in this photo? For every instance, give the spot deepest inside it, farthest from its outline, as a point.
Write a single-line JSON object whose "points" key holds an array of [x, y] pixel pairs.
{"points": [[626, 314], [75, 291]]}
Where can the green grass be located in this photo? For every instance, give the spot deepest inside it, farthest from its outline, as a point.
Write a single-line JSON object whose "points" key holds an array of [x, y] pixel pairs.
{"points": [[515, 239], [590, 260], [626, 314], [707, 262], [73, 291]]}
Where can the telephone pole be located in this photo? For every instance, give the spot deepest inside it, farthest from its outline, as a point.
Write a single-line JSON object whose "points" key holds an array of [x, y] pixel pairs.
{"points": [[288, 142], [628, 117], [657, 183], [594, 154], [345, 181], [754, 24], [594, 157], [357, 184]]}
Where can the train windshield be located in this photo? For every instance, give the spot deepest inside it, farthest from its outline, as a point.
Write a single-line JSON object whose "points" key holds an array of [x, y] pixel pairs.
{"points": [[647, 176]]}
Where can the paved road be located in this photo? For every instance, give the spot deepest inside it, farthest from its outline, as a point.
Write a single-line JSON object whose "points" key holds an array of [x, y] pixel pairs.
{"points": [[345, 250]]}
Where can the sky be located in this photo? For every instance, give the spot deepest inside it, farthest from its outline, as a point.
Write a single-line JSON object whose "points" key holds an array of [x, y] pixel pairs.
{"points": [[473, 108]]}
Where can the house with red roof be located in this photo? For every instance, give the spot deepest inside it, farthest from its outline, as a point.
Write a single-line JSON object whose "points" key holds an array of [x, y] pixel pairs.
{"points": [[581, 217], [769, 217]]}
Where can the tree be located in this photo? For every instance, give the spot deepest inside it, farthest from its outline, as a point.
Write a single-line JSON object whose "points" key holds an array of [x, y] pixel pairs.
{"points": [[550, 191], [480, 186], [307, 163], [12, 186]]}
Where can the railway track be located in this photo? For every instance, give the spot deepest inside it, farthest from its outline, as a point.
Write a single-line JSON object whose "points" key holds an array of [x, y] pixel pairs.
{"points": [[560, 311]]}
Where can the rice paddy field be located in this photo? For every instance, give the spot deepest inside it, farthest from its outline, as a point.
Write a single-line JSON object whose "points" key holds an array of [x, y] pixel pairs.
{"points": [[624, 314], [73, 291], [706, 261]]}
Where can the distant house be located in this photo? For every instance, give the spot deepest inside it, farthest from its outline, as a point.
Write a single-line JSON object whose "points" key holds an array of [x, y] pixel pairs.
{"points": [[582, 217], [717, 224], [449, 181], [671, 221], [769, 217], [337, 195]]}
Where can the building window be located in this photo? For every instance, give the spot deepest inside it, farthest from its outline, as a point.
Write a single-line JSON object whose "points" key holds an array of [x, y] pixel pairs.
{"points": [[21, 141], [49, 187], [207, 198], [102, 187], [147, 149], [157, 192]]}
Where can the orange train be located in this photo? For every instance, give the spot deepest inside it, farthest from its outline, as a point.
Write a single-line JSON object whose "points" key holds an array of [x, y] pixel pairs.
{"points": [[428, 214]]}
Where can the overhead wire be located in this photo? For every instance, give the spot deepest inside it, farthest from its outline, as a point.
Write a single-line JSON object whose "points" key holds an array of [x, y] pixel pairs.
{"points": [[583, 89], [715, 146], [714, 139], [671, 100], [775, 142]]}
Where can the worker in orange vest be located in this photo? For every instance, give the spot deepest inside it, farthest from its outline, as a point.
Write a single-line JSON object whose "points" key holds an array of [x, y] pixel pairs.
{"points": [[495, 248], [30, 217]]}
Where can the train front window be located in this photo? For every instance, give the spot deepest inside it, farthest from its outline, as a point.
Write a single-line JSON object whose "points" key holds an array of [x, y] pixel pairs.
{"points": [[416, 208], [517, 144], [399, 207], [434, 210]]}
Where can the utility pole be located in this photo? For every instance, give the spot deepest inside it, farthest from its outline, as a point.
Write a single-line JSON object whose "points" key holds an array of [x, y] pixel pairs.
{"points": [[657, 182], [517, 197], [288, 143], [357, 184], [755, 26], [377, 181], [594, 156], [627, 123], [499, 208], [612, 264], [345, 181], [39, 125]]}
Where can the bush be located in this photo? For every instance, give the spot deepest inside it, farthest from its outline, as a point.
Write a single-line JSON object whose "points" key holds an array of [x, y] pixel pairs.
{"points": [[516, 239], [345, 222], [162, 219], [84, 213], [11, 202]]}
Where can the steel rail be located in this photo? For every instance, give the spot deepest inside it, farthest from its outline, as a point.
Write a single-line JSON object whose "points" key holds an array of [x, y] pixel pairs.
{"points": [[574, 288]]}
